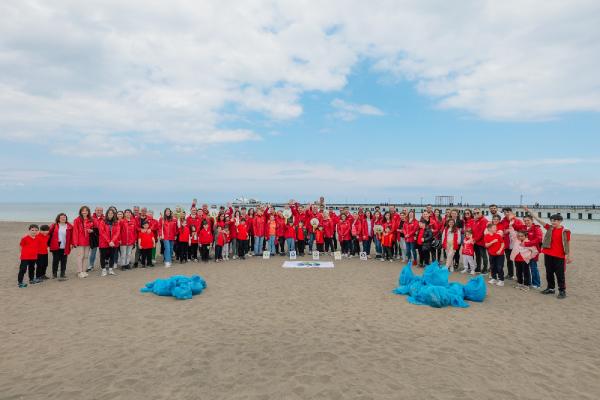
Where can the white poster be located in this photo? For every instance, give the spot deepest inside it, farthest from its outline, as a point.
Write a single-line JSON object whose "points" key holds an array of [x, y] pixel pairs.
{"points": [[315, 255], [292, 255], [266, 255], [363, 256], [307, 264], [337, 255]]}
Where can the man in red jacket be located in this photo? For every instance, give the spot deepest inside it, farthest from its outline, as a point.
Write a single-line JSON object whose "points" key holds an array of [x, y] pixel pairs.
{"points": [[534, 239], [479, 228], [509, 220]]}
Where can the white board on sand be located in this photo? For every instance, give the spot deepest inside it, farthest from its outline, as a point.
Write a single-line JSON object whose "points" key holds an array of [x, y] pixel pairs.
{"points": [[307, 264]]}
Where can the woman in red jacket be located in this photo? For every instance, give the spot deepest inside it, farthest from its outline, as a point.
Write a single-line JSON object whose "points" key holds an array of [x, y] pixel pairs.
{"points": [[451, 241], [258, 229], [343, 231], [83, 225], [109, 232], [366, 234], [129, 232], [60, 242], [167, 233], [411, 227], [205, 238], [250, 224], [378, 221]]}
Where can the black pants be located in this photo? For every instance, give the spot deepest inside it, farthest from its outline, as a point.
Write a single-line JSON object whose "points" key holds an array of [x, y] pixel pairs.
{"points": [[320, 247], [481, 254], [497, 267], [108, 254], [182, 251], [301, 245], [355, 246], [335, 244], [346, 244], [59, 257], [456, 256], [555, 266], [509, 263], [523, 273], [193, 252], [424, 255], [329, 244], [146, 257], [281, 241], [243, 247], [218, 253], [26, 266], [41, 265], [251, 241], [388, 252], [204, 250]]}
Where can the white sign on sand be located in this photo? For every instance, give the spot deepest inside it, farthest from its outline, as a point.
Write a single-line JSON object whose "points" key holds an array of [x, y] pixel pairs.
{"points": [[292, 255], [337, 255], [363, 256], [315, 255], [307, 264], [266, 255]]}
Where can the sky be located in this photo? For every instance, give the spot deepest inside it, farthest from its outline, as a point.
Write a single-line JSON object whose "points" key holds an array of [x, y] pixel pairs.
{"points": [[379, 101]]}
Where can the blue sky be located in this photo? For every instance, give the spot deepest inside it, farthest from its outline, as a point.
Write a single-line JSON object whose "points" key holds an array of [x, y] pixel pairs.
{"points": [[275, 101]]}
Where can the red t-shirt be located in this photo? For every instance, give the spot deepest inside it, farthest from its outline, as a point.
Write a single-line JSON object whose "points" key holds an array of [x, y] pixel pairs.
{"points": [[319, 236], [29, 248], [495, 248], [184, 234], [300, 233], [242, 232], [221, 239], [146, 239], [468, 248], [556, 244], [42, 241]]}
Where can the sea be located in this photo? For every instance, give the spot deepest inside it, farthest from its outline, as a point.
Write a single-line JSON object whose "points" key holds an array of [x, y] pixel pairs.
{"points": [[46, 212]]}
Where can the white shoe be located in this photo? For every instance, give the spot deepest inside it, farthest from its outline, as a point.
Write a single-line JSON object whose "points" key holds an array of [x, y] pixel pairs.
{"points": [[111, 271], [382, 259], [472, 273], [492, 281], [451, 269], [104, 272], [464, 271], [80, 274], [500, 283], [167, 265]]}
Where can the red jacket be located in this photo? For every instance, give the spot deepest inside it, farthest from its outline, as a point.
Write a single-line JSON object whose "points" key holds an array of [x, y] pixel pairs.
{"points": [[221, 238], [290, 232], [456, 239], [387, 239], [281, 226], [205, 236], [128, 232], [343, 230], [328, 228], [250, 225], [534, 239], [29, 248], [479, 226], [258, 225], [242, 231], [54, 245], [81, 236], [197, 222], [184, 234], [107, 235], [503, 225], [319, 236], [364, 229], [168, 228], [410, 229]]}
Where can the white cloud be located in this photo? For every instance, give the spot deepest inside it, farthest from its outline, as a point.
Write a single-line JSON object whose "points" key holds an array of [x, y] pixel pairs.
{"points": [[79, 72], [350, 111]]}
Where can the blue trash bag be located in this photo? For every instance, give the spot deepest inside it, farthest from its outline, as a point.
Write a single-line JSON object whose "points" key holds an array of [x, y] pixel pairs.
{"points": [[457, 289], [406, 275], [160, 287], [197, 284], [178, 286], [434, 275], [475, 289], [182, 291]]}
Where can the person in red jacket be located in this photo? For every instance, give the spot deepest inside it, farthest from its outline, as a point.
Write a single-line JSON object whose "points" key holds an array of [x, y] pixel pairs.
{"points": [[167, 233], [494, 242], [205, 238], [479, 227], [468, 252], [411, 227], [290, 235], [250, 224], [97, 217], [328, 230], [509, 220], [220, 241], [42, 258], [83, 226], [343, 231], [128, 238], [301, 236], [61, 241], [320, 239], [109, 231], [146, 243], [184, 241], [193, 251], [388, 242], [242, 238], [29, 254], [534, 239], [451, 241], [258, 229], [154, 229]]}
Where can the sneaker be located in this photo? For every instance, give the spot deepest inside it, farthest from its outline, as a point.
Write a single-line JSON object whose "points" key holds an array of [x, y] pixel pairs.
{"points": [[525, 288], [547, 291], [167, 265], [34, 281], [382, 259], [104, 272], [500, 283], [451, 269], [62, 278], [561, 294], [22, 285], [80, 275], [535, 287], [517, 286], [91, 267], [492, 281], [391, 260], [464, 271], [111, 271], [85, 274], [472, 273]]}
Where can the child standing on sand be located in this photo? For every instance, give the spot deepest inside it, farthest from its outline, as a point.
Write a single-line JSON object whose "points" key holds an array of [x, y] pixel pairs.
{"points": [[468, 253], [146, 243], [451, 242], [42, 257], [494, 242], [219, 243], [387, 242], [226, 241], [521, 255], [29, 254]]}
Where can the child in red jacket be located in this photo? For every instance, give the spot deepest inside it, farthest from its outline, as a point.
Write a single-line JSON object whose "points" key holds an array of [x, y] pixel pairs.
{"points": [[387, 242], [226, 243], [205, 238], [42, 257], [468, 253], [193, 252], [219, 244], [183, 244], [29, 253], [146, 243], [494, 242], [320, 239]]}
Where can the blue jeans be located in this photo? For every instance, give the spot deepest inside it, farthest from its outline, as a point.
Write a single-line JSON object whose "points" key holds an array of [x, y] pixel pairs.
{"points": [[411, 251], [311, 240], [378, 248], [93, 256], [535, 274], [290, 244], [258, 244], [168, 247], [272, 244], [366, 244]]}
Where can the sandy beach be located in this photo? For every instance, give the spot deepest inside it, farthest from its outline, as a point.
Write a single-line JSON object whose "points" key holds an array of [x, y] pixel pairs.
{"points": [[263, 332]]}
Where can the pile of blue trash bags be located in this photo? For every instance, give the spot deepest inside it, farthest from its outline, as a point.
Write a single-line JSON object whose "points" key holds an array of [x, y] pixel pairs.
{"points": [[433, 288], [178, 286]]}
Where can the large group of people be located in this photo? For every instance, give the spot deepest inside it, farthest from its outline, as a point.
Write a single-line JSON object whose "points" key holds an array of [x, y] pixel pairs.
{"points": [[136, 237]]}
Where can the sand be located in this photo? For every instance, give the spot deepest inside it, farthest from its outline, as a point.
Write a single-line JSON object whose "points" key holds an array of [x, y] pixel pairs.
{"points": [[264, 332]]}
